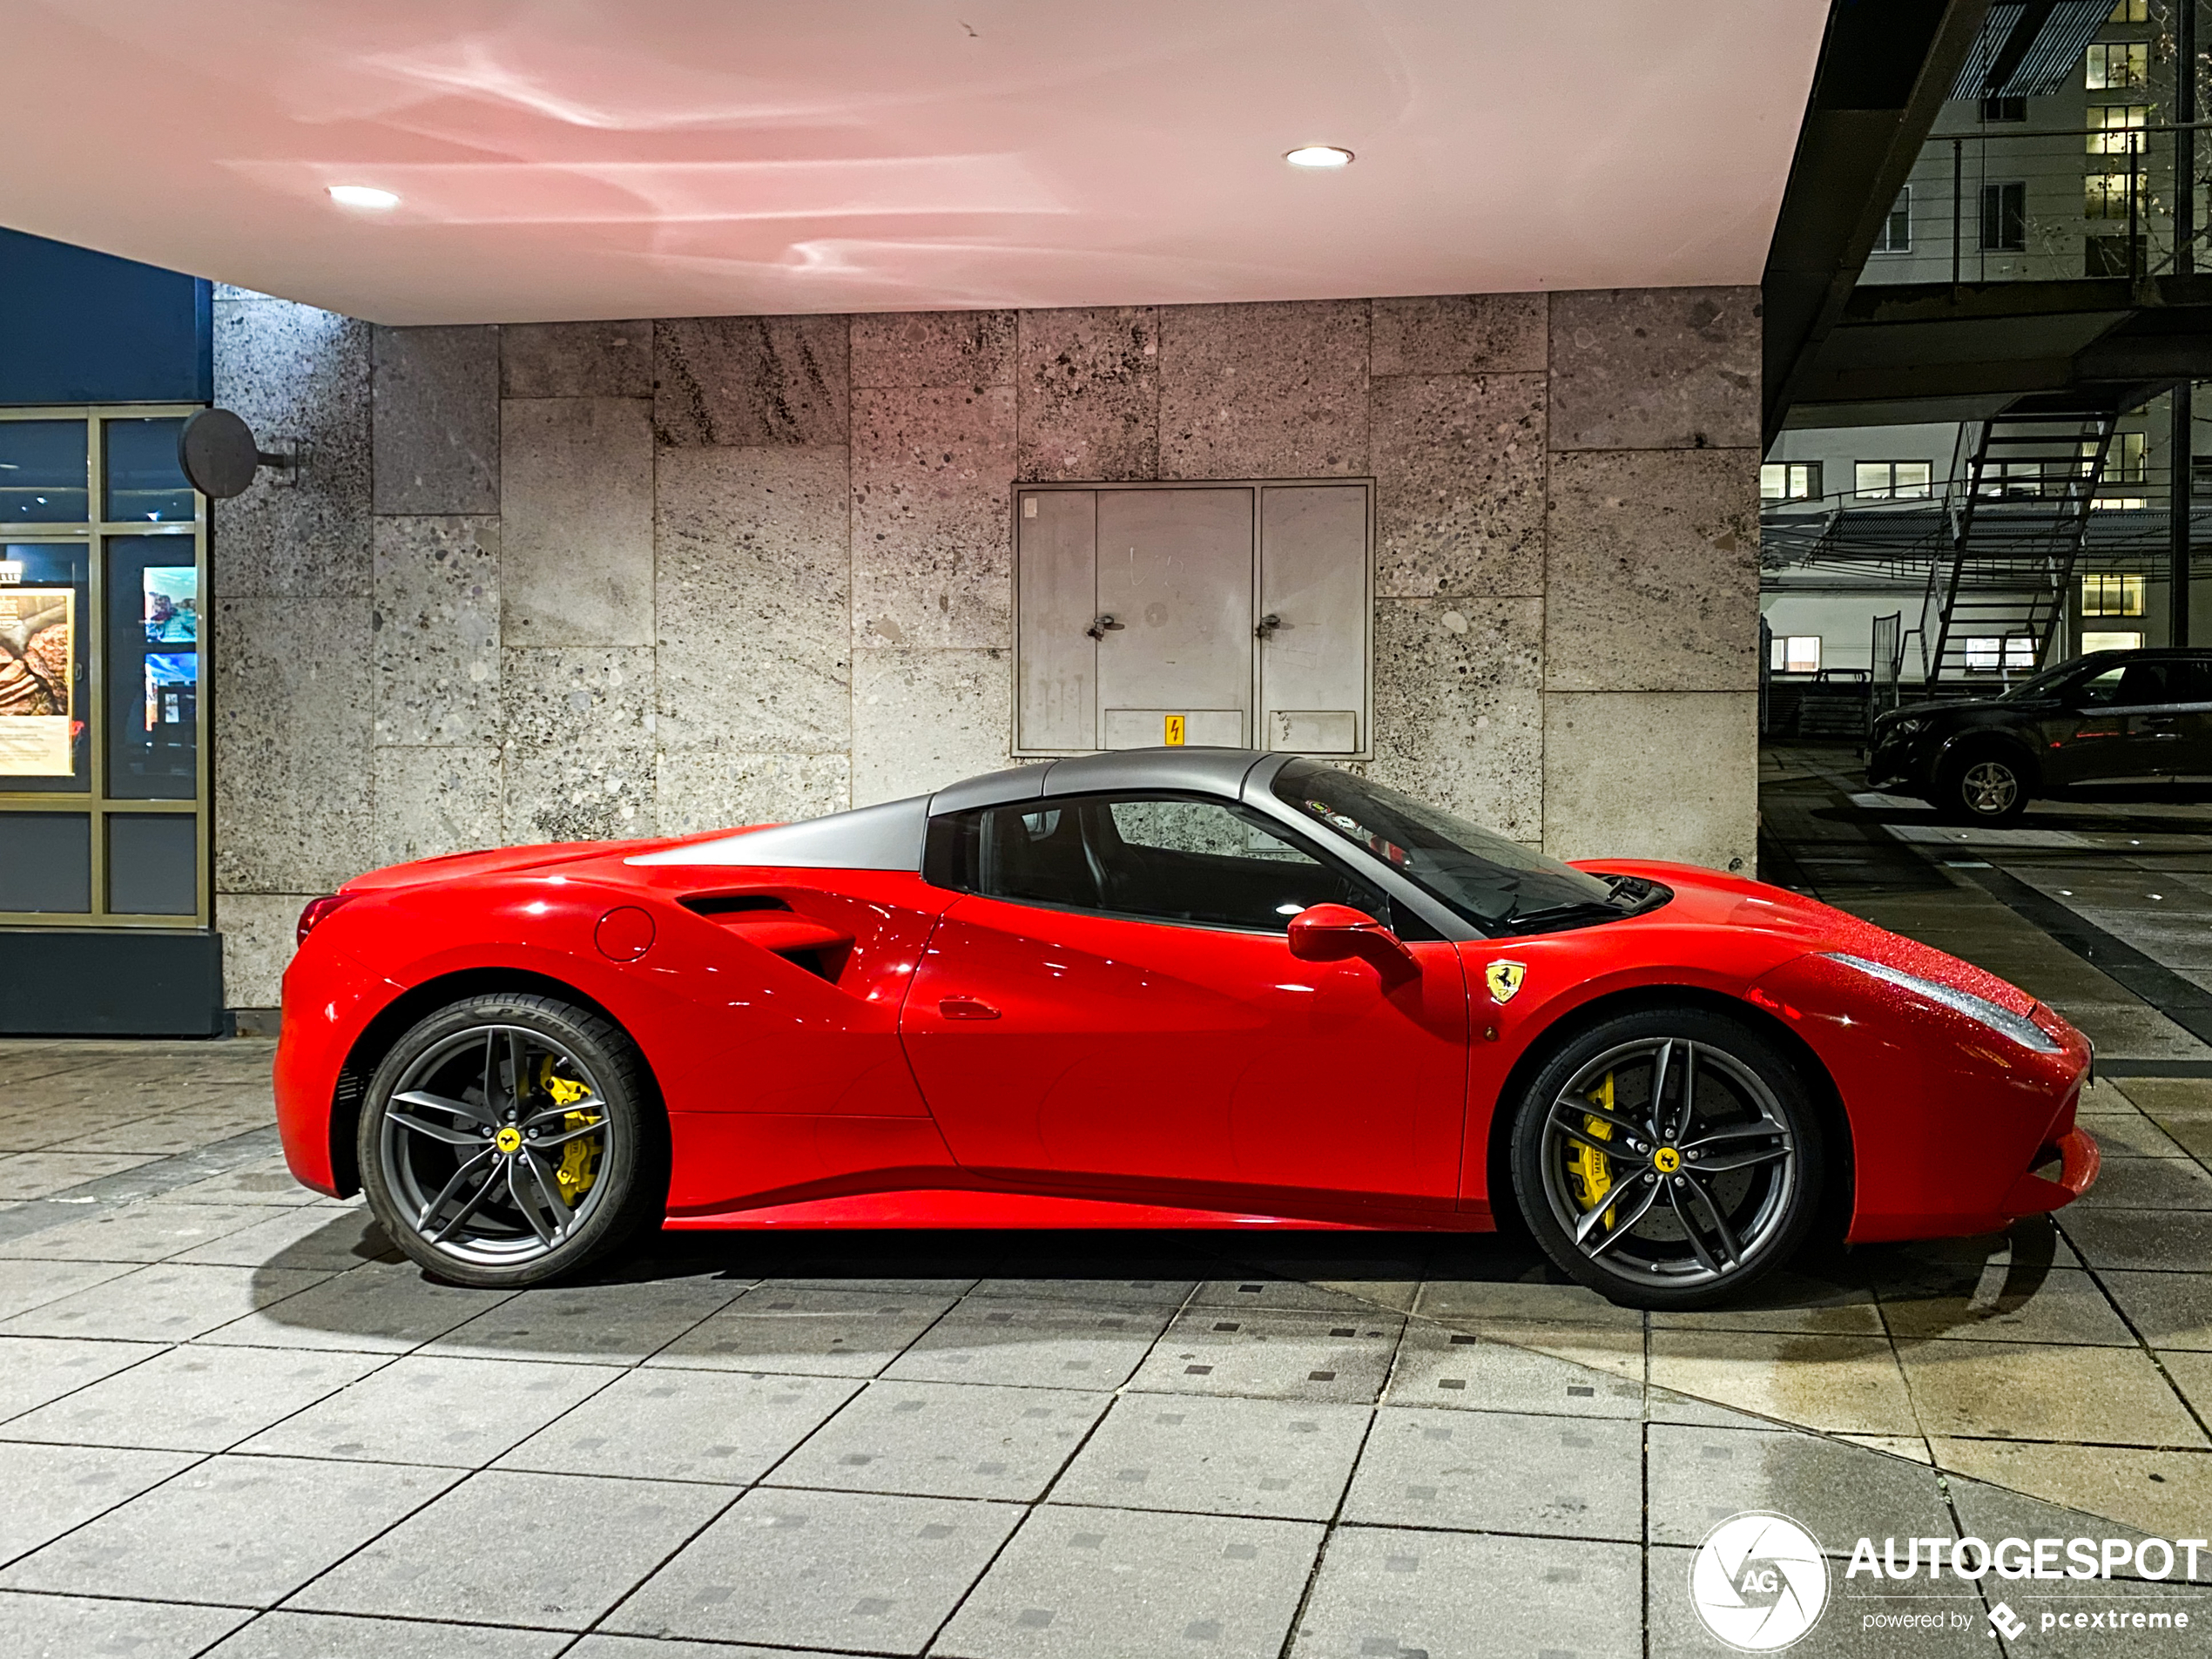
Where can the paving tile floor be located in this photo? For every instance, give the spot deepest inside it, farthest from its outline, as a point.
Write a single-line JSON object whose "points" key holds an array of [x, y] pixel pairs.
{"points": [[233, 1422]]}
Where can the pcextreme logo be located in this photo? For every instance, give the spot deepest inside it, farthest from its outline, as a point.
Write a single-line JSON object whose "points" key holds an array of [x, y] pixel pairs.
{"points": [[1759, 1581]]}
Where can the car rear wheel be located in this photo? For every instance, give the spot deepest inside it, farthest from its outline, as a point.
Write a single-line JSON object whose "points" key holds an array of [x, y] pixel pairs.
{"points": [[508, 1140], [1982, 788], [1668, 1158]]}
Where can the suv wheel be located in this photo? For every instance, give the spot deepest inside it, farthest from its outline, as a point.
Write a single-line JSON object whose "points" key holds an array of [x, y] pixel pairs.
{"points": [[1985, 787]]}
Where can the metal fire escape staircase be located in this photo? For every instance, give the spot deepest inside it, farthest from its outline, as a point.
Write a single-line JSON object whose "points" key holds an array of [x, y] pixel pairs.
{"points": [[2015, 536]]}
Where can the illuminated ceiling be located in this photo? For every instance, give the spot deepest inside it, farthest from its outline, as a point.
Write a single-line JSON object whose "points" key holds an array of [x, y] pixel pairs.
{"points": [[665, 158]]}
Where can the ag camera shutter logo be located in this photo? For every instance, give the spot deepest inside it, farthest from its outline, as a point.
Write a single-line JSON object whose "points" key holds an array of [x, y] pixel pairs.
{"points": [[1759, 1581]]}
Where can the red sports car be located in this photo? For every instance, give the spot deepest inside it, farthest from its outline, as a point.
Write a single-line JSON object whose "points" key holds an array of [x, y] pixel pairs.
{"points": [[1176, 988]]}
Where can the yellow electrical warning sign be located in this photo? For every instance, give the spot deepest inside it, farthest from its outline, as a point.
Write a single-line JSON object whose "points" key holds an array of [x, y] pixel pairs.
{"points": [[1173, 737]]}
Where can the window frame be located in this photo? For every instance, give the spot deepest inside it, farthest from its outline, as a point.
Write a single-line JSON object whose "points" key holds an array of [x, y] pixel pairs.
{"points": [[95, 532], [1780, 658], [1810, 470], [1892, 489], [2135, 634], [2096, 67], [1993, 191], [1900, 210], [943, 865], [2106, 198], [2109, 136], [2127, 590]]}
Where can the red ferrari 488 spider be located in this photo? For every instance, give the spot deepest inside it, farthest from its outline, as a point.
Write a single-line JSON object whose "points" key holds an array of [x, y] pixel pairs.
{"points": [[1178, 987]]}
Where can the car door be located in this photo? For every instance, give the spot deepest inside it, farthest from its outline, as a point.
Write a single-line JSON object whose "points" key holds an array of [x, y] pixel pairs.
{"points": [[2190, 687], [1114, 999], [2118, 726]]}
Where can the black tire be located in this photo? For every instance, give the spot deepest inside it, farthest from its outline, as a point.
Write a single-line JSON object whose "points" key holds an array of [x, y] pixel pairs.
{"points": [[1633, 1209], [1982, 787], [461, 1171]]}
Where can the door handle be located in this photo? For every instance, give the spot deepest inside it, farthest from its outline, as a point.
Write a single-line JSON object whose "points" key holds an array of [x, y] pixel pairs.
{"points": [[965, 1008], [1100, 626], [1268, 624]]}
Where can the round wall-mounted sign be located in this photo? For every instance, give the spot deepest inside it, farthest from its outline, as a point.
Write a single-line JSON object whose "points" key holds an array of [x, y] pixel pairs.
{"points": [[218, 453]]}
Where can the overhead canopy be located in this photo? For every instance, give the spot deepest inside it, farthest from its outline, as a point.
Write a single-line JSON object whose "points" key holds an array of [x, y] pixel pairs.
{"points": [[2030, 48], [669, 157]]}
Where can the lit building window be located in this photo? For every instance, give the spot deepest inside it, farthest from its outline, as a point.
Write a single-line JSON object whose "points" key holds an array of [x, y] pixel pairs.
{"points": [[1794, 654], [1986, 655], [2130, 11], [2116, 63], [1789, 481], [2104, 195], [2110, 642], [2110, 123], [1893, 480], [2127, 463], [2110, 594]]}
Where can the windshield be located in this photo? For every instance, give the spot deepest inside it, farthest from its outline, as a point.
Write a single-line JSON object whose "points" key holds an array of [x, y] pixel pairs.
{"points": [[2046, 683], [1490, 881]]}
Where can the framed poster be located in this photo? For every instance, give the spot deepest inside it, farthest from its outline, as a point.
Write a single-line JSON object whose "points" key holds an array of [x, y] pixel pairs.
{"points": [[172, 603], [37, 681]]}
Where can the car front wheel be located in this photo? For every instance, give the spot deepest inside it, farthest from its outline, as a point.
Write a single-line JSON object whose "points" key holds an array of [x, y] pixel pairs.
{"points": [[1668, 1158], [1981, 789], [507, 1139]]}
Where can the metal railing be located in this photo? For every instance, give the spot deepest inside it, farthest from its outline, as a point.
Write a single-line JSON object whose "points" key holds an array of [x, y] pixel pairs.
{"points": [[2005, 203]]}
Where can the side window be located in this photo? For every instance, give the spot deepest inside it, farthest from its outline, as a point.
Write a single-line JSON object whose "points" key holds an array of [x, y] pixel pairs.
{"points": [[2193, 680], [1164, 859], [2142, 685], [1203, 828], [2101, 692]]}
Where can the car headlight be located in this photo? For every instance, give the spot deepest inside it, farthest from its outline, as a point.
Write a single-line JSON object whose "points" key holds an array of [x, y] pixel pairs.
{"points": [[2004, 1021], [1905, 728]]}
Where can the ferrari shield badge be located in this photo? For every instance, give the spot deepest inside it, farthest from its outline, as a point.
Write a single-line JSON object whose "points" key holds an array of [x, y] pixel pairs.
{"points": [[1504, 979]]}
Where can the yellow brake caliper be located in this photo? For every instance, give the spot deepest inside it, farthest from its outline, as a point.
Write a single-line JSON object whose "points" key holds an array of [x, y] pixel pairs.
{"points": [[580, 1158], [1589, 1172]]}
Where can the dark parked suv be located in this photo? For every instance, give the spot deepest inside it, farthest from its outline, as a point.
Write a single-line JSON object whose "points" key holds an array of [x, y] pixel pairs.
{"points": [[2122, 723]]}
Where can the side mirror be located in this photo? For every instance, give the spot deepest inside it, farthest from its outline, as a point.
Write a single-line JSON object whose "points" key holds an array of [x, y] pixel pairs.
{"points": [[1335, 932]]}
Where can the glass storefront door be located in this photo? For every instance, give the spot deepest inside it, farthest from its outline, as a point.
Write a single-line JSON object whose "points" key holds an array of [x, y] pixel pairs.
{"points": [[104, 779]]}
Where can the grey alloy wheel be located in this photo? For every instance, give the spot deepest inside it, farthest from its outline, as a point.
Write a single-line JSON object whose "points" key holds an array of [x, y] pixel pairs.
{"points": [[1983, 788], [1988, 788], [503, 1141], [1667, 1159]]}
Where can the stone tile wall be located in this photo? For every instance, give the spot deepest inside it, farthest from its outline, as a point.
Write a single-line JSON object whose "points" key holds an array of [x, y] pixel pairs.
{"points": [[567, 581]]}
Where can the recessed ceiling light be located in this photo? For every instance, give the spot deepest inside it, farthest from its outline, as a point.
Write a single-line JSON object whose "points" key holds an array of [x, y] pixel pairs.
{"points": [[1318, 155], [363, 196]]}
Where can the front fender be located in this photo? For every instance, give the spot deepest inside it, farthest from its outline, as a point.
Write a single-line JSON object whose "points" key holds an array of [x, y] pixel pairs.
{"points": [[2015, 747], [1946, 1115], [1565, 977]]}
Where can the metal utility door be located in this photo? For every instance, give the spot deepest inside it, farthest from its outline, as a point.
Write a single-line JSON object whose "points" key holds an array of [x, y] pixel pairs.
{"points": [[1056, 539], [1312, 624], [1174, 616]]}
